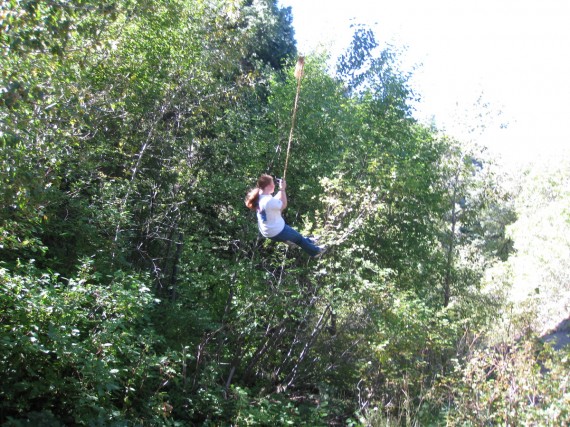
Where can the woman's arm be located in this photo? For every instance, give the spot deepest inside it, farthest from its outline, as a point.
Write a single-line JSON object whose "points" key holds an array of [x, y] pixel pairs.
{"points": [[282, 195]]}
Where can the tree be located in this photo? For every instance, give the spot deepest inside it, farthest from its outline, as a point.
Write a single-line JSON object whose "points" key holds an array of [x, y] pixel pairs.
{"points": [[534, 278], [132, 275]]}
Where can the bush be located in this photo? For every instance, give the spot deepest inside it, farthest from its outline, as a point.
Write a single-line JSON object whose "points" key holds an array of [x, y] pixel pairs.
{"points": [[81, 348], [517, 384]]}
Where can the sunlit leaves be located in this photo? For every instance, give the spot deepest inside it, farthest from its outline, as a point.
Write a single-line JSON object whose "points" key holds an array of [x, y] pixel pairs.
{"points": [[79, 329]]}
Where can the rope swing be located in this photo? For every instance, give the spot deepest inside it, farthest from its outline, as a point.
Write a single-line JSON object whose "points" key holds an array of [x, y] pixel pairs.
{"points": [[298, 75]]}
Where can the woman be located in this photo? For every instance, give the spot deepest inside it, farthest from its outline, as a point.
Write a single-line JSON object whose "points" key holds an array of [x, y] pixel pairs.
{"points": [[269, 219]]}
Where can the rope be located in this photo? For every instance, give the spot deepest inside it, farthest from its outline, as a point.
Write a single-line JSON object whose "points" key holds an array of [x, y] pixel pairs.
{"points": [[298, 76]]}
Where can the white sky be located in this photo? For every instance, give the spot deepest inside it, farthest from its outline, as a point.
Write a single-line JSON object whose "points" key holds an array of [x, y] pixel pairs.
{"points": [[513, 53]]}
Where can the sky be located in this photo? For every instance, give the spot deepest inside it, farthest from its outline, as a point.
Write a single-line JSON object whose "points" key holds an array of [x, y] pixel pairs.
{"points": [[511, 55]]}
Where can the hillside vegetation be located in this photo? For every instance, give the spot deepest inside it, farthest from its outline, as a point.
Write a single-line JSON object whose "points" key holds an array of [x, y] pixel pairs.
{"points": [[135, 290]]}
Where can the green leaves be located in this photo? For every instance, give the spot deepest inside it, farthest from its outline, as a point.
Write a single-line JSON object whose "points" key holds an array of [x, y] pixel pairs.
{"points": [[129, 133], [83, 341], [508, 384]]}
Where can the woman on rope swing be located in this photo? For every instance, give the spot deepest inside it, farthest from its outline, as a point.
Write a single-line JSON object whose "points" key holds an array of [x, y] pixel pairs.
{"points": [[269, 220]]}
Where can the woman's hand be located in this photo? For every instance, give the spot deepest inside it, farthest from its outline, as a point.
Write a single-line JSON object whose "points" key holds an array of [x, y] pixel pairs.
{"points": [[282, 184]]}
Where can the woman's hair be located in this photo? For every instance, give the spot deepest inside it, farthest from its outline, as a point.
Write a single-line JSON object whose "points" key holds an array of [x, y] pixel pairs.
{"points": [[252, 198]]}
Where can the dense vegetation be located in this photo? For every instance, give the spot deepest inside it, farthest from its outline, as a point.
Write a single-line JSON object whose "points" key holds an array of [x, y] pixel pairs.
{"points": [[134, 289]]}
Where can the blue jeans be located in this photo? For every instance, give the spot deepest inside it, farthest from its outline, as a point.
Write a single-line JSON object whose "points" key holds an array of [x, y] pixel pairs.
{"points": [[290, 235]]}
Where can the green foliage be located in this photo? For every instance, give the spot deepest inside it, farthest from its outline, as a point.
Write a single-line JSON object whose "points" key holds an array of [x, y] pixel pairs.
{"points": [[134, 289], [276, 411], [544, 217], [534, 280], [517, 384], [269, 32], [80, 348]]}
